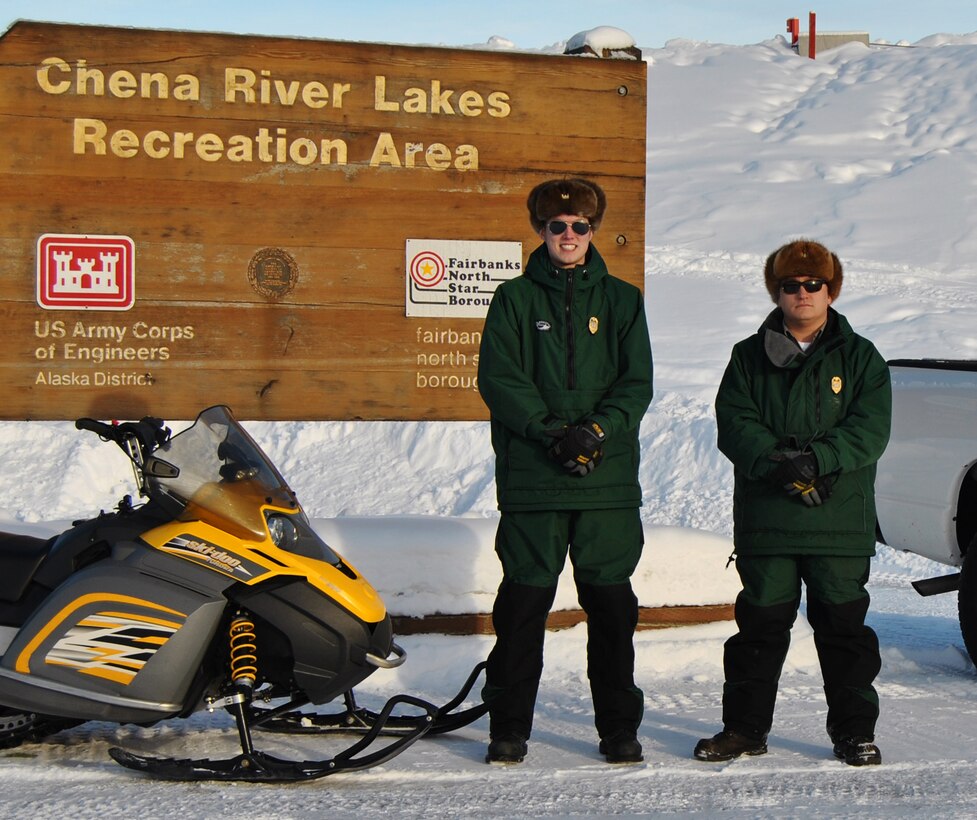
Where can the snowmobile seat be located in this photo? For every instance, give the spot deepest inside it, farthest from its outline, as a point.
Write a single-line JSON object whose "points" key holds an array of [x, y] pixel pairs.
{"points": [[20, 557]]}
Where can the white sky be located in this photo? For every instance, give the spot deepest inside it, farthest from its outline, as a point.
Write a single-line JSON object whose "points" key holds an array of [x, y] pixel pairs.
{"points": [[529, 25]]}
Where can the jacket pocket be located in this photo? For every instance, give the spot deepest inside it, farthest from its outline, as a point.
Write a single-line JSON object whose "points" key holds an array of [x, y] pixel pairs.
{"points": [[767, 512], [527, 464]]}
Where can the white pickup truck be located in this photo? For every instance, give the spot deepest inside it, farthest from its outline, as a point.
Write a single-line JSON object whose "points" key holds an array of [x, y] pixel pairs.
{"points": [[926, 488]]}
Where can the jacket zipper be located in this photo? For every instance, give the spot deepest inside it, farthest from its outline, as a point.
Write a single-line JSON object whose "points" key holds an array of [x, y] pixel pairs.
{"points": [[571, 374], [817, 395]]}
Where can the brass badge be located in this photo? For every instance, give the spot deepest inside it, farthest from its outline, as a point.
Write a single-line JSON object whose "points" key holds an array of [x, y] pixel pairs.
{"points": [[273, 272], [592, 325], [836, 384]]}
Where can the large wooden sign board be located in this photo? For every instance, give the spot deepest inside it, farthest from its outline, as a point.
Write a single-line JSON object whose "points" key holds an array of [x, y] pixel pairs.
{"points": [[191, 219]]}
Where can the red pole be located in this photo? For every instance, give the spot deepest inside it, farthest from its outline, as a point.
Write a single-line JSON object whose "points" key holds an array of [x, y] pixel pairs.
{"points": [[812, 33], [794, 29]]}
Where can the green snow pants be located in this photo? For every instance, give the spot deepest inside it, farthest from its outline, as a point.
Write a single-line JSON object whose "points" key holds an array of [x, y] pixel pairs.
{"points": [[848, 650], [604, 547]]}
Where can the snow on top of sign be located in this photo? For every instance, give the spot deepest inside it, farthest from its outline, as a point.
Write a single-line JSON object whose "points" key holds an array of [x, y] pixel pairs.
{"points": [[600, 38], [495, 41]]}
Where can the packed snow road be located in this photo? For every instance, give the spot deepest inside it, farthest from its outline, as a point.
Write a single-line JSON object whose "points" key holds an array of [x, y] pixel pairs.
{"points": [[927, 730]]}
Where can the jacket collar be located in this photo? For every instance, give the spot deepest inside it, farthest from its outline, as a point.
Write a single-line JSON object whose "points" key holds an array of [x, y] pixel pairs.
{"points": [[783, 350], [540, 268]]}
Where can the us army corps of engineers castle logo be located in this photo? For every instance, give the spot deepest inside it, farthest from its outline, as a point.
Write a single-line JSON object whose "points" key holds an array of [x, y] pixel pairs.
{"points": [[85, 272]]}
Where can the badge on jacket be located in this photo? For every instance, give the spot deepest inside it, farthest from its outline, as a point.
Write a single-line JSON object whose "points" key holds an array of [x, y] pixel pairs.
{"points": [[836, 384], [542, 324], [592, 325]]}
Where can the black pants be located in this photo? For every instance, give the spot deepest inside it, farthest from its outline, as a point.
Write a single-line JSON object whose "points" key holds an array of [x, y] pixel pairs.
{"points": [[604, 547], [848, 650], [516, 662]]}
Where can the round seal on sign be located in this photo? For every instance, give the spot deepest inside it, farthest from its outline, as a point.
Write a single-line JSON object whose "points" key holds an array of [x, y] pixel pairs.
{"points": [[273, 272]]}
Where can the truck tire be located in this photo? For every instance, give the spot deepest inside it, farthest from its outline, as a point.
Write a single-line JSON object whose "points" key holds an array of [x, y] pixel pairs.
{"points": [[967, 600]]}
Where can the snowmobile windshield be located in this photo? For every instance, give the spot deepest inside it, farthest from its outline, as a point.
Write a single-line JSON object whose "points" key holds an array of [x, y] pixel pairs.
{"points": [[216, 472]]}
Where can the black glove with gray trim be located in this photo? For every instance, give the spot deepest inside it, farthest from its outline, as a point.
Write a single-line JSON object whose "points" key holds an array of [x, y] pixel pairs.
{"points": [[578, 448], [797, 473], [819, 491]]}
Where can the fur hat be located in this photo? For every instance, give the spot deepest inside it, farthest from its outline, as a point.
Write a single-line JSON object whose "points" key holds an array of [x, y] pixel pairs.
{"points": [[566, 196], [802, 257]]}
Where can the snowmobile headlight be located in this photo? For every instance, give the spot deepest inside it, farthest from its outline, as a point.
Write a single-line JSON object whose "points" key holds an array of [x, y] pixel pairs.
{"points": [[294, 534], [282, 531]]}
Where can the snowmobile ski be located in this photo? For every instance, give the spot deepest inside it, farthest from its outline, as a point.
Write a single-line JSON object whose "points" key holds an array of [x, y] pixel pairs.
{"points": [[257, 767], [355, 718]]}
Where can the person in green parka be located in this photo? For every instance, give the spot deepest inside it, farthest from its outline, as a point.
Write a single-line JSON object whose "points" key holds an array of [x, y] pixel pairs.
{"points": [[565, 370], [803, 413]]}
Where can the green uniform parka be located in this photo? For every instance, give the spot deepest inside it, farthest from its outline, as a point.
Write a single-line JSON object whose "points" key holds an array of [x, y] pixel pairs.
{"points": [[560, 346], [837, 399]]}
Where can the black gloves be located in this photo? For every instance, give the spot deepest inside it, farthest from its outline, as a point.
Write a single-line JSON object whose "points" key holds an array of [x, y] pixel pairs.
{"points": [[577, 447], [819, 491], [795, 467], [797, 473]]}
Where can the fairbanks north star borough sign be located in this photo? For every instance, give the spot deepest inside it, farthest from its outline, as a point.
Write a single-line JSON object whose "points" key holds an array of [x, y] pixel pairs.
{"points": [[452, 278]]}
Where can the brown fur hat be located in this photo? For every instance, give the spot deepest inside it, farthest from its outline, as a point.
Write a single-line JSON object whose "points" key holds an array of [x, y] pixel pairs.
{"points": [[802, 257], [566, 196]]}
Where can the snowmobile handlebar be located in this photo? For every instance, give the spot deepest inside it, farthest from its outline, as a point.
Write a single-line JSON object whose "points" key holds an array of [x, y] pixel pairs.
{"points": [[105, 431], [149, 432]]}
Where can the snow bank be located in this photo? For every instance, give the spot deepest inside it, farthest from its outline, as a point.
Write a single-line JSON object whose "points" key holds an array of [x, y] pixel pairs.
{"points": [[426, 565]]}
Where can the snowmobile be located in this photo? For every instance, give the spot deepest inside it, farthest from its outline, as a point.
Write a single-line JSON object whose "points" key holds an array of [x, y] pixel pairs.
{"points": [[215, 593]]}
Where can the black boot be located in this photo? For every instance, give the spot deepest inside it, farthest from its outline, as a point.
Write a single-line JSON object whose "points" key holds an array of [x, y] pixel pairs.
{"points": [[509, 748], [728, 745], [857, 751], [621, 748]]}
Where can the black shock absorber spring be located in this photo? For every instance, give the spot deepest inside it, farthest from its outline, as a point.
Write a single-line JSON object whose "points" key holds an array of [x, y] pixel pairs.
{"points": [[244, 651]]}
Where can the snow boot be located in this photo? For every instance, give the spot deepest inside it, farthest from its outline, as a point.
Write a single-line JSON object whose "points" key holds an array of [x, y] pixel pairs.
{"points": [[622, 747], [727, 745], [510, 748], [857, 751]]}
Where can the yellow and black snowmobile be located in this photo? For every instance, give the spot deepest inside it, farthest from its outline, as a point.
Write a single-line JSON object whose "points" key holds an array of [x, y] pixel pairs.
{"points": [[213, 594]]}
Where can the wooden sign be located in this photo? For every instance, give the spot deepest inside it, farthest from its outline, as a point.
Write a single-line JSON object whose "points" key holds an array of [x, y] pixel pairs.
{"points": [[191, 219]]}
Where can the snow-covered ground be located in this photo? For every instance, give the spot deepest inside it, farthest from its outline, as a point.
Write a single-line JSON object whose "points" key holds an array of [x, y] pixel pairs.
{"points": [[872, 151]]}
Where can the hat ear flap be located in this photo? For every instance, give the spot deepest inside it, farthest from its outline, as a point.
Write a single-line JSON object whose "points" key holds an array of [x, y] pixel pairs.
{"points": [[531, 205], [600, 201], [834, 284], [772, 285]]}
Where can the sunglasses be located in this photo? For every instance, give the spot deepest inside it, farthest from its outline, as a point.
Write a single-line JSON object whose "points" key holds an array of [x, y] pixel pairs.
{"points": [[811, 286], [558, 227]]}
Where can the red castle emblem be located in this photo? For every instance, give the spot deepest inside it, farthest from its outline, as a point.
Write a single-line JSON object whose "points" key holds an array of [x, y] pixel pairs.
{"points": [[85, 272]]}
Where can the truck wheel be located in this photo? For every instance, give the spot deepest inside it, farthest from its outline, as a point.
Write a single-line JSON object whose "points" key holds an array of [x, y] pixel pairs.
{"points": [[967, 600]]}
